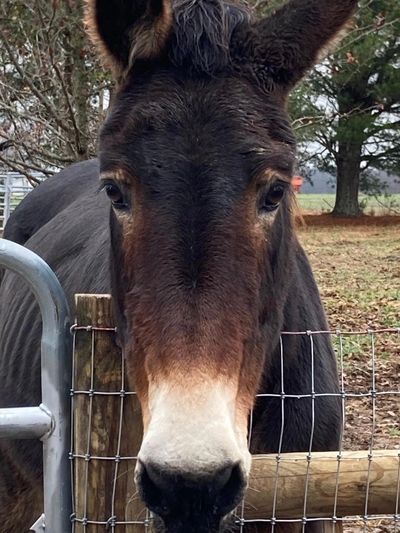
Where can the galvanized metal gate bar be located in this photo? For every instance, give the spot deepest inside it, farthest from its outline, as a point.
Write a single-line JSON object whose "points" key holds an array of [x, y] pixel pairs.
{"points": [[51, 420]]}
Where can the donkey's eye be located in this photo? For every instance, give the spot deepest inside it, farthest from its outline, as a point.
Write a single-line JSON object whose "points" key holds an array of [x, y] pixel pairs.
{"points": [[115, 194], [270, 198]]}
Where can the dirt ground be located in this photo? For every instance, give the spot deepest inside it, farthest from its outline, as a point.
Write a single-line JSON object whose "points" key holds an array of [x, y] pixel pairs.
{"points": [[327, 220], [357, 266]]}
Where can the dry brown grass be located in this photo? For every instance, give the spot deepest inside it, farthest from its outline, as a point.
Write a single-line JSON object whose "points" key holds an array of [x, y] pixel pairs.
{"points": [[357, 266]]}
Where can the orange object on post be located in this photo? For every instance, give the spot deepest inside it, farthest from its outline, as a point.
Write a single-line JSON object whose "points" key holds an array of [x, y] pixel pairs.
{"points": [[297, 183]]}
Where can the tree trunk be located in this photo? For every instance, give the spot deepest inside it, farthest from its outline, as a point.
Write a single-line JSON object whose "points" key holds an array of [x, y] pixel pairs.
{"points": [[350, 141], [348, 179]]}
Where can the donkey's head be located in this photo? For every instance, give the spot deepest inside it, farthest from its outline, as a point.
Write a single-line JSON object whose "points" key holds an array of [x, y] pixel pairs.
{"points": [[197, 156]]}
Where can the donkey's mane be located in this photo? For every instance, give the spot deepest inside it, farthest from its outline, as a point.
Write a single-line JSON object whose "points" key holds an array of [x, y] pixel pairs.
{"points": [[202, 33]]}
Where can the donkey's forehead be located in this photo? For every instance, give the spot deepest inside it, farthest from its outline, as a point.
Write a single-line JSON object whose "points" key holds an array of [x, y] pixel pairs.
{"points": [[215, 121], [163, 90]]}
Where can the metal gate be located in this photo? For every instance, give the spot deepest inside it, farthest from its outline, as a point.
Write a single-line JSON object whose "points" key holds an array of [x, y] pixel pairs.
{"points": [[50, 421], [13, 188]]}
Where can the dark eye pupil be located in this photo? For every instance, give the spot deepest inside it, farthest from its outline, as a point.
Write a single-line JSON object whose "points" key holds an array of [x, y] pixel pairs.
{"points": [[271, 198], [113, 193], [275, 194]]}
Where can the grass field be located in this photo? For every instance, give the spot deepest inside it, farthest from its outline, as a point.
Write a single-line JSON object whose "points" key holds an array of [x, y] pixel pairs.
{"points": [[324, 203], [358, 273]]}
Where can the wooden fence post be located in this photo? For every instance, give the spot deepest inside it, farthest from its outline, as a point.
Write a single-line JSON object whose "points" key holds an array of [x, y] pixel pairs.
{"points": [[107, 424]]}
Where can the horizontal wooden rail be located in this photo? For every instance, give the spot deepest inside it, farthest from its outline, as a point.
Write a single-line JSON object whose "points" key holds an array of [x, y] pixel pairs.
{"points": [[359, 479]]}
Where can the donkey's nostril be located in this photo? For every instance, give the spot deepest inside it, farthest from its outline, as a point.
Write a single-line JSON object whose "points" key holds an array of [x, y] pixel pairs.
{"points": [[171, 492], [157, 477], [231, 486], [222, 477], [153, 488]]}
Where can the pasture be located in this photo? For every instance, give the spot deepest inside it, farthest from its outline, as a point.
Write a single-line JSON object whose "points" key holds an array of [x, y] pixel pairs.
{"points": [[358, 272], [324, 203], [357, 268]]}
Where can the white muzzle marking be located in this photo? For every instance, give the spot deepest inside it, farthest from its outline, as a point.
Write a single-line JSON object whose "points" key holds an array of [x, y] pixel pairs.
{"points": [[193, 429]]}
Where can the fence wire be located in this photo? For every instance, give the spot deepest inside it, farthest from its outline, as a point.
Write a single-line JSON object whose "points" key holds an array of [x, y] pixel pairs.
{"points": [[369, 383]]}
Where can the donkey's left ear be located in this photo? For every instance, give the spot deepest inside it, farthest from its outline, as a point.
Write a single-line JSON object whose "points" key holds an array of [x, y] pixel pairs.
{"points": [[279, 49], [126, 30]]}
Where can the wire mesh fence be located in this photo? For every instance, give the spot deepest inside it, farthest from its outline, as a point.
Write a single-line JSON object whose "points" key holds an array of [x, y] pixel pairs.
{"points": [[107, 433]]}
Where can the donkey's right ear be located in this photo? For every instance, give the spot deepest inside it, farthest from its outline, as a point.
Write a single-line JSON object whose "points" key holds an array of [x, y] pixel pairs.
{"points": [[279, 49], [126, 30]]}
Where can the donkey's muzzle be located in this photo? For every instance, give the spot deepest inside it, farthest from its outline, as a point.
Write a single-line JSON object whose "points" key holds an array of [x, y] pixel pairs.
{"points": [[191, 499]]}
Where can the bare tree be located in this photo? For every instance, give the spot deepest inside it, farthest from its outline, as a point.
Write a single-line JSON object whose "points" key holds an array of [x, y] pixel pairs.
{"points": [[53, 94]]}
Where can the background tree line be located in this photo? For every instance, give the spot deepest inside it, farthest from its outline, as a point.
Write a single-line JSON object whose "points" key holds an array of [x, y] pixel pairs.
{"points": [[54, 95]]}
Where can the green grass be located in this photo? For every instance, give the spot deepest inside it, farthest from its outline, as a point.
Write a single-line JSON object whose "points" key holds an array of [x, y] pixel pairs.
{"points": [[358, 272], [324, 203]]}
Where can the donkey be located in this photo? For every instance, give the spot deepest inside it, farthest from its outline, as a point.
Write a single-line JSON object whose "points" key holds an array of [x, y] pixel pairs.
{"points": [[194, 237]]}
